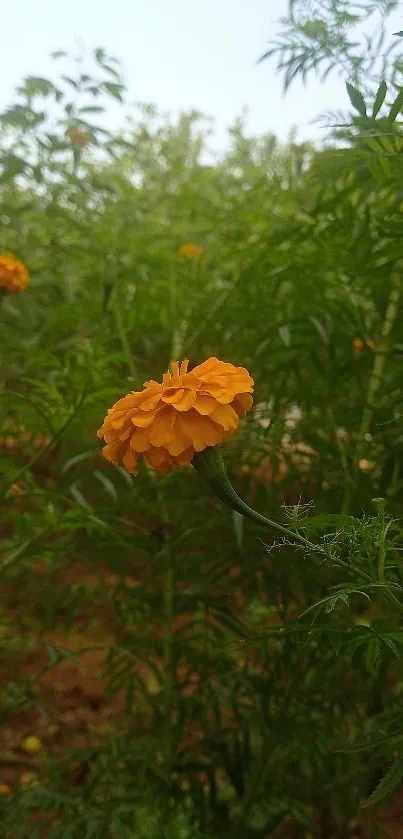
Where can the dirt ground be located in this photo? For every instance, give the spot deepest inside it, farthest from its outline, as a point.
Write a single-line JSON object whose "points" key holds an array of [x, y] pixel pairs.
{"points": [[73, 692]]}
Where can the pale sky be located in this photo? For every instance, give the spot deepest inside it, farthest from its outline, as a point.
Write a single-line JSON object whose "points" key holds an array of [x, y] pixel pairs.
{"points": [[177, 54]]}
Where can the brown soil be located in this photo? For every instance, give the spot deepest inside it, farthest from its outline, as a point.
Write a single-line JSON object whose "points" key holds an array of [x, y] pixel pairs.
{"points": [[77, 711]]}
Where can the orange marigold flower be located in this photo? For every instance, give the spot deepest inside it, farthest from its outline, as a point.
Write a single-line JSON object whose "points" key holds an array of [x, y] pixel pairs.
{"points": [[191, 251], [14, 276], [169, 422], [358, 345]]}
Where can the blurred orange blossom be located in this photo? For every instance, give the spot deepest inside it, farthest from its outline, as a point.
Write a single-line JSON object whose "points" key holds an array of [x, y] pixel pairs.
{"points": [[14, 276], [191, 251], [169, 422]]}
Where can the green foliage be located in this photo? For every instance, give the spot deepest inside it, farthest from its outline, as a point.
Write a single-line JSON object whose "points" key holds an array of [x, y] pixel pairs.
{"points": [[244, 676]]}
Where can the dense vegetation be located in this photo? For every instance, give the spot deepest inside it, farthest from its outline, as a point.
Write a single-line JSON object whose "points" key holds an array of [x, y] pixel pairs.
{"points": [[232, 683]]}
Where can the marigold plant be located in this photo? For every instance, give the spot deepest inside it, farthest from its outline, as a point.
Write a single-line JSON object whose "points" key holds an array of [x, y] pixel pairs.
{"points": [[14, 276], [169, 422]]}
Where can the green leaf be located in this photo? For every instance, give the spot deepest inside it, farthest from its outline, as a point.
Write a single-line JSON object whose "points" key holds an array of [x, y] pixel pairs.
{"points": [[12, 166], [37, 86], [70, 81], [356, 98], [78, 458], [91, 109], [372, 653], [238, 522], [284, 332], [78, 496], [379, 98], [323, 332], [107, 483], [114, 89], [388, 784], [125, 475], [397, 106]]}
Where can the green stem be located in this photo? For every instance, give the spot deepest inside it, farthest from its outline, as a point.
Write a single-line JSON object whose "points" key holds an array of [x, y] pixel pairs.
{"points": [[17, 477], [379, 503], [377, 375], [123, 335], [381, 355], [209, 464], [169, 662]]}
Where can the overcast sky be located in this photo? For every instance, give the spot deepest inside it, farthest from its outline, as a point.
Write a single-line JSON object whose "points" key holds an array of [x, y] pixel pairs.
{"points": [[178, 54]]}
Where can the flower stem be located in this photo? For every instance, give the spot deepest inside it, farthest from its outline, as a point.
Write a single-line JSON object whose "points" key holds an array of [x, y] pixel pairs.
{"points": [[117, 309], [169, 662], [209, 464], [379, 503], [376, 378], [381, 354]]}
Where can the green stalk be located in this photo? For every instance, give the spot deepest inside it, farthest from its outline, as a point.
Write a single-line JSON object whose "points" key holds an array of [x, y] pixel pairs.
{"points": [[117, 309], [375, 382], [381, 355], [379, 504], [209, 464], [169, 662]]}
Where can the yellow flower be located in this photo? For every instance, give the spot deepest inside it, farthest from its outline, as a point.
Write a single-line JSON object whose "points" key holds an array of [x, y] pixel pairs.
{"points": [[14, 276], [169, 422], [15, 489], [371, 344], [31, 745], [191, 251]]}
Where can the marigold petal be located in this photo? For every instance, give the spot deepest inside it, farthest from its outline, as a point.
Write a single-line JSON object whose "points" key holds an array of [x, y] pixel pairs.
{"points": [[201, 430], [113, 451], [205, 404], [187, 401], [110, 435], [151, 387], [118, 421], [207, 366], [175, 369], [242, 403], [185, 457], [150, 403], [180, 440], [174, 395], [160, 433], [129, 461], [225, 416], [158, 458], [126, 434], [139, 440], [127, 402], [142, 419]]}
